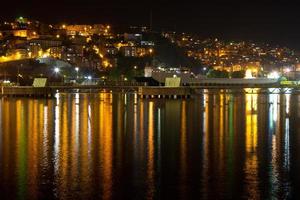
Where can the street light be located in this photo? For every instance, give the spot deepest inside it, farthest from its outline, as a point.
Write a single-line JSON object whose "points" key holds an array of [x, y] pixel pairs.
{"points": [[56, 70], [77, 70], [274, 75], [18, 75]]}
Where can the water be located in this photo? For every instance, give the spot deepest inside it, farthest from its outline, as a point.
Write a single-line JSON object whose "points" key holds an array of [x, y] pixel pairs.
{"points": [[116, 146]]}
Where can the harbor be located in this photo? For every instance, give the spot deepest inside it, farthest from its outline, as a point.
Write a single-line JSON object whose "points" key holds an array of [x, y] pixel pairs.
{"points": [[144, 92]]}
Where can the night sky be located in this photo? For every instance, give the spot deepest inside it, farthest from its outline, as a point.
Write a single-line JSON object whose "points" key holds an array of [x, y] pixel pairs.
{"points": [[270, 21]]}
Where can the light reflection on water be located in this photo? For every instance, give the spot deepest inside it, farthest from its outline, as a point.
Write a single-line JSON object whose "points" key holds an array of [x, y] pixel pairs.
{"points": [[116, 146]]}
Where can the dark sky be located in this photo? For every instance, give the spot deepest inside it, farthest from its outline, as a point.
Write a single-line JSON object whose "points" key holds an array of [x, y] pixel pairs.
{"points": [[272, 21]]}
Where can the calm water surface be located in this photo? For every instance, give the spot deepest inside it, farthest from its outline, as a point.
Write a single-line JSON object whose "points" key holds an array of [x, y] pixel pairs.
{"points": [[115, 146]]}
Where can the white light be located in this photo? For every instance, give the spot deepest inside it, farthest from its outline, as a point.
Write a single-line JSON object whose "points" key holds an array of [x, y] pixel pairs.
{"points": [[273, 75], [204, 68], [89, 77], [56, 70], [248, 74], [287, 70], [77, 69]]}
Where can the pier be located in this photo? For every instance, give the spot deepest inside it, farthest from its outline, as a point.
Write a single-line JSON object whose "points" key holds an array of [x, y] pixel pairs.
{"points": [[164, 92], [145, 92], [27, 91]]}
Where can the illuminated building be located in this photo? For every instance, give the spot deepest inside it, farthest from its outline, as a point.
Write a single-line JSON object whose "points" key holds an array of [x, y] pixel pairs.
{"points": [[47, 43], [111, 50], [34, 49], [134, 51], [20, 33], [86, 30], [55, 52], [132, 37]]}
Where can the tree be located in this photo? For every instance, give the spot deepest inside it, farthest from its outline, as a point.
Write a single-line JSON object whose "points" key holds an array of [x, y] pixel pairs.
{"points": [[238, 74], [217, 74], [172, 55]]}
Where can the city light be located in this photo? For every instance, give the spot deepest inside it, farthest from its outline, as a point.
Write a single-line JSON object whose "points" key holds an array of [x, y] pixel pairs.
{"points": [[56, 70], [273, 75], [248, 74], [287, 70], [77, 69]]}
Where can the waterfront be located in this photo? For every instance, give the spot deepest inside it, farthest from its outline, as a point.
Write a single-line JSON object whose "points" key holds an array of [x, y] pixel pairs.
{"points": [[116, 146]]}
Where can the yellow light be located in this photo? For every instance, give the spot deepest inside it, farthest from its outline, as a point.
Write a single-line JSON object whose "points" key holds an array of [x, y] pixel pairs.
{"points": [[106, 64], [40, 53], [119, 45], [88, 39], [18, 56], [57, 36], [46, 54], [248, 74]]}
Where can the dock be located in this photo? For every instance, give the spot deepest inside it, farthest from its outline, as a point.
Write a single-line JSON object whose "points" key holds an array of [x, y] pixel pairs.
{"points": [[27, 91], [145, 92], [164, 92]]}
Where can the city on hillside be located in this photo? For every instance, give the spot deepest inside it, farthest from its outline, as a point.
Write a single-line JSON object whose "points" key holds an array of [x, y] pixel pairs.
{"points": [[81, 53]]}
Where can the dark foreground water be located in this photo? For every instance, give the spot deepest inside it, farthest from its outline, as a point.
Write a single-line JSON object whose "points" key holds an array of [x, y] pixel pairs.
{"points": [[115, 146]]}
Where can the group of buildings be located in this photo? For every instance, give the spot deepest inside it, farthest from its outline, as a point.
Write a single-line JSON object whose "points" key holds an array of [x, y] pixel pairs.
{"points": [[100, 47], [233, 56], [96, 46]]}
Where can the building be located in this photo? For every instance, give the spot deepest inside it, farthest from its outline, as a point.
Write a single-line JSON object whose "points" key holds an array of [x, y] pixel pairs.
{"points": [[47, 43], [147, 43], [34, 49], [111, 50], [18, 54], [136, 51], [73, 54], [55, 52], [132, 37], [86, 30]]}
